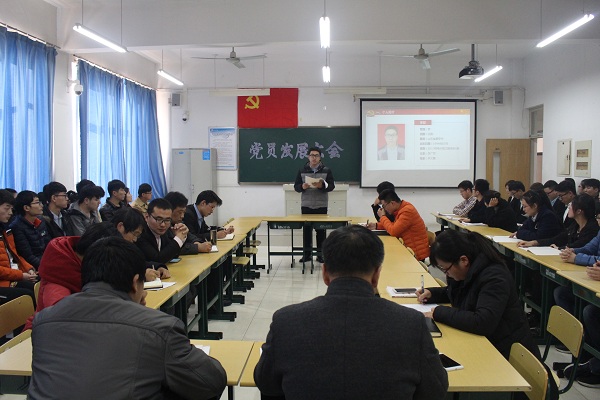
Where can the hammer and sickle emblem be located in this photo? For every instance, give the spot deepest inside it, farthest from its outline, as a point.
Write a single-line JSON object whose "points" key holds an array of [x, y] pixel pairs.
{"points": [[254, 102]]}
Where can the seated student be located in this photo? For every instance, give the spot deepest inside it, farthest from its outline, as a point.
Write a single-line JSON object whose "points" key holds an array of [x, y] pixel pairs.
{"points": [[377, 203], [144, 197], [517, 189], [350, 344], [465, 188], [109, 321], [407, 224], [537, 186], [193, 244], [498, 213], [116, 199], [29, 229], [130, 224], [60, 268], [477, 212], [481, 290], [509, 197], [591, 186], [84, 212], [55, 215], [154, 242], [588, 373], [17, 276], [583, 210], [557, 205], [541, 223], [566, 194], [206, 202]]}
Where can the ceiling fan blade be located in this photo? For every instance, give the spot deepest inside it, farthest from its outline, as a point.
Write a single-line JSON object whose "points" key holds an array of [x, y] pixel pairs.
{"points": [[236, 62], [253, 57], [425, 64], [438, 53], [211, 58], [396, 55]]}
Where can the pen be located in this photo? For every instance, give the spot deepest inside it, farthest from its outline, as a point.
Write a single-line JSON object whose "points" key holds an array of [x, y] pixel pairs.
{"points": [[422, 285]]}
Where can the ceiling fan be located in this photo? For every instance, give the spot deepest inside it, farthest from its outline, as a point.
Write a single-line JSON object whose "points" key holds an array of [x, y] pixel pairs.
{"points": [[424, 57], [234, 59]]}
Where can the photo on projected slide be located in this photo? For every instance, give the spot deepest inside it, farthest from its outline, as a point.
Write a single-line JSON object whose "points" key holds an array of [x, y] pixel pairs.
{"points": [[422, 142], [390, 142]]}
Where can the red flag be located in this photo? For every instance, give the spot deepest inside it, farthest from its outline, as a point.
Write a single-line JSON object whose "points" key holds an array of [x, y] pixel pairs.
{"points": [[279, 110]]}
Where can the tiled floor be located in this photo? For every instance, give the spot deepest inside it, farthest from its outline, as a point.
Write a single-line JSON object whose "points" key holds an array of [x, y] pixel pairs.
{"points": [[284, 286]]}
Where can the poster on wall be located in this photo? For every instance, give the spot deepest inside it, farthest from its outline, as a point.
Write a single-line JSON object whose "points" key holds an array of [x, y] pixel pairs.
{"points": [[224, 139]]}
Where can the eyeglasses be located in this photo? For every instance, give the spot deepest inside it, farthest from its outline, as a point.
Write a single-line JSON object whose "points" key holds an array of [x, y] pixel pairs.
{"points": [[314, 155], [444, 270], [61, 195], [35, 203], [162, 221]]}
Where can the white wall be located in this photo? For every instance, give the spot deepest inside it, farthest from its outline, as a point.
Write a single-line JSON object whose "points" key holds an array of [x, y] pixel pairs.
{"points": [[565, 79]]}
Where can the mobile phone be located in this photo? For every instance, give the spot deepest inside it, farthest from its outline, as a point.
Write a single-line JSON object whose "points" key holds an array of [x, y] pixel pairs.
{"points": [[449, 364], [175, 260]]}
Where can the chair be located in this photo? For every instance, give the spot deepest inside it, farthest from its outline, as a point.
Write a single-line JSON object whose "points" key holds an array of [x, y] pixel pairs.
{"points": [[441, 282], [401, 240], [15, 313], [425, 267], [16, 340], [430, 237], [36, 291], [531, 369], [411, 251], [569, 331]]}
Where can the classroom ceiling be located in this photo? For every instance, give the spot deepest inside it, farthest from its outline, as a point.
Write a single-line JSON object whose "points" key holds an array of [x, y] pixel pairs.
{"points": [[172, 32]]}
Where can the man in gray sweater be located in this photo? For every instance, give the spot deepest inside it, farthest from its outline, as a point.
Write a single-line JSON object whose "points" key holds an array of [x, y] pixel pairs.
{"points": [[314, 180]]}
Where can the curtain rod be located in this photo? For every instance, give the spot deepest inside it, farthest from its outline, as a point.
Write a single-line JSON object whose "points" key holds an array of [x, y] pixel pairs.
{"points": [[29, 36], [112, 72]]}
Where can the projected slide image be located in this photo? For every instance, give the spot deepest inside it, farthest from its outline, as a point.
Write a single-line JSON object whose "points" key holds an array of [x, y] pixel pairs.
{"points": [[391, 142]]}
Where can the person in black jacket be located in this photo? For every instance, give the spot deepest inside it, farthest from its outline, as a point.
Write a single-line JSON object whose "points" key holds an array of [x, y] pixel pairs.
{"points": [[517, 190], [498, 213], [29, 229], [583, 210], [541, 223], [477, 213], [154, 242], [55, 215], [195, 214], [481, 290]]}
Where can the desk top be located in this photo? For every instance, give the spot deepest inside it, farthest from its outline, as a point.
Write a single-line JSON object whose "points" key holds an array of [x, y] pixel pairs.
{"points": [[232, 354], [580, 277]]}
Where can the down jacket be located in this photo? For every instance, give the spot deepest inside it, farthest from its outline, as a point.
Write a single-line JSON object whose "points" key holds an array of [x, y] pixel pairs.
{"points": [[31, 239], [409, 226], [7, 274]]}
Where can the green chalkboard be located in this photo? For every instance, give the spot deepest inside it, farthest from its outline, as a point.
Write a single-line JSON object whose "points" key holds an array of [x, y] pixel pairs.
{"points": [[276, 155]]}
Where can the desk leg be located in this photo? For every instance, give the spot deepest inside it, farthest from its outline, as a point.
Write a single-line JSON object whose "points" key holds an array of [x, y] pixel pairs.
{"points": [[202, 317], [230, 392], [269, 266], [218, 313]]}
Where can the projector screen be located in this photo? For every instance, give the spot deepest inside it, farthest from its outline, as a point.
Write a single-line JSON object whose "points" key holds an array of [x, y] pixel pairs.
{"points": [[418, 143]]}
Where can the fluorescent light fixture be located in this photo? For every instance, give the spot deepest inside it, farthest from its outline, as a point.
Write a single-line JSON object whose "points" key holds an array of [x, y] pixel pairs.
{"points": [[169, 77], [326, 74], [93, 35], [583, 20], [325, 29], [239, 92], [355, 90], [489, 73]]}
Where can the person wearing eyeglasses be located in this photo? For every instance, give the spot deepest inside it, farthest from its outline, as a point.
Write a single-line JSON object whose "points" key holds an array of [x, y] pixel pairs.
{"points": [[557, 205], [481, 291], [29, 229], [314, 181], [566, 193], [541, 222], [154, 242], [55, 215]]}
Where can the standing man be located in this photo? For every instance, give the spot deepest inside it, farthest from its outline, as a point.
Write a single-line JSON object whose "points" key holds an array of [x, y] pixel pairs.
{"points": [[314, 180], [55, 214], [116, 199], [350, 344], [144, 197], [117, 347]]}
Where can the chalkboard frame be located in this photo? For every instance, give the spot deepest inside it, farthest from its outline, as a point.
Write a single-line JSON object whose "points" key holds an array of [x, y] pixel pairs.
{"points": [[346, 168]]}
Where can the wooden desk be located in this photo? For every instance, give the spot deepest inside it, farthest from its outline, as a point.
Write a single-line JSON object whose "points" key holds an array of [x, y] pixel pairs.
{"points": [[16, 362]]}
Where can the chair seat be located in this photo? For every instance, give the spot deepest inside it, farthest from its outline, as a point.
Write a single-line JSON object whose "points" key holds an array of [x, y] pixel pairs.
{"points": [[240, 261]]}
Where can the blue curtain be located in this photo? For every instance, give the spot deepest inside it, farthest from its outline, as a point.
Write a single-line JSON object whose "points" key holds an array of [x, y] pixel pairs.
{"points": [[26, 94], [142, 146], [119, 131]]}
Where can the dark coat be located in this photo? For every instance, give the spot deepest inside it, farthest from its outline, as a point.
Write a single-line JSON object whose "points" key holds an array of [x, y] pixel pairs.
{"points": [[559, 209], [486, 303], [108, 210], [30, 239], [546, 225], [190, 219], [53, 229], [571, 238], [336, 347], [169, 248], [477, 213], [515, 204], [502, 216]]}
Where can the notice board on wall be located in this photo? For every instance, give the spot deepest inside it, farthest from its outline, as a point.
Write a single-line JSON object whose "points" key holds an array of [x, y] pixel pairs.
{"points": [[271, 155]]}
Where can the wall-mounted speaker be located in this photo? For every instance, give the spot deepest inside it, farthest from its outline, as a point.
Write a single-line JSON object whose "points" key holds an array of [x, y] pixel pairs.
{"points": [[498, 97], [176, 100]]}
